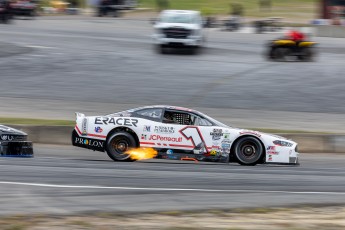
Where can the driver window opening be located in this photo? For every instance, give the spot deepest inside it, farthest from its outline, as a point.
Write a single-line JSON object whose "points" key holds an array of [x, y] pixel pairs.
{"points": [[178, 118]]}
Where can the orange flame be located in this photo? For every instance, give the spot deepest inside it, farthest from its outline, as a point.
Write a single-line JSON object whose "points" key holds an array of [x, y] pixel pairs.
{"points": [[142, 153]]}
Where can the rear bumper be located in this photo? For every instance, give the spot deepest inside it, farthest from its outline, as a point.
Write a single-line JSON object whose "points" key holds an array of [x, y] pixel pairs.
{"points": [[16, 149]]}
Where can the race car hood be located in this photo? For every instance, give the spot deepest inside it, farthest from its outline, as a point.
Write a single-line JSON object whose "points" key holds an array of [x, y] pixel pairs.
{"points": [[277, 140], [258, 133], [10, 131], [275, 136]]}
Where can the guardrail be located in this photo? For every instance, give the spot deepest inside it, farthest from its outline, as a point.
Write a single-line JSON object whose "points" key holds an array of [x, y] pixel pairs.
{"points": [[307, 143]]}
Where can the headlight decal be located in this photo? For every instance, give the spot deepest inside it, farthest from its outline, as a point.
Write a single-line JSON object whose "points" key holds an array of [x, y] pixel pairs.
{"points": [[282, 143]]}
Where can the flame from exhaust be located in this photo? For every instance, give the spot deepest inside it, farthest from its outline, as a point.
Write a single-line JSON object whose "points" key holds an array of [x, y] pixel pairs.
{"points": [[142, 153]]}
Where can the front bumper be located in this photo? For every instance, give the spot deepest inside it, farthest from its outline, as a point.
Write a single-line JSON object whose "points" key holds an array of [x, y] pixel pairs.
{"points": [[190, 41], [16, 149]]}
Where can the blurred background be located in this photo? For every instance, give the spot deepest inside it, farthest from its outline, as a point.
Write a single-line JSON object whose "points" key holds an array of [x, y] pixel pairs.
{"points": [[235, 62]]}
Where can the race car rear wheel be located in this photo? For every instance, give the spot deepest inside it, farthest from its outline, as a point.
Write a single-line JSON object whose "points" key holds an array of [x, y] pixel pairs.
{"points": [[118, 144], [248, 151]]}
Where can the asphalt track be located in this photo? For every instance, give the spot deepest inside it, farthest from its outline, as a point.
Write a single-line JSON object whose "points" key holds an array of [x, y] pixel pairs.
{"points": [[50, 68], [67, 180], [104, 65]]}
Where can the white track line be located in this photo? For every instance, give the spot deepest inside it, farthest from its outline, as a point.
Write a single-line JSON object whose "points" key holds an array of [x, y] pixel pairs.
{"points": [[168, 189], [41, 47]]}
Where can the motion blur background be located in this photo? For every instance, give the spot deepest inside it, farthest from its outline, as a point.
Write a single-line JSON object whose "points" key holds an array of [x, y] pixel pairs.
{"points": [[98, 57]]}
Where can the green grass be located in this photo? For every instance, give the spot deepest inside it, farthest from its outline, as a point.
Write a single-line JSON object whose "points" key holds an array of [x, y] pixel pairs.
{"points": [[27, 121], [292, 9]]}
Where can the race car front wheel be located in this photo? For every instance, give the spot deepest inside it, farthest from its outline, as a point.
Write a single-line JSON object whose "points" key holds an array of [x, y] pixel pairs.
{"points": [[118, 144], [248, 151]]}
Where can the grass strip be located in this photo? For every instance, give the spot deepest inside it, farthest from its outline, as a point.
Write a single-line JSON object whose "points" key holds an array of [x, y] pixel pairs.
{"points": [[303, 9], [305, 218]]}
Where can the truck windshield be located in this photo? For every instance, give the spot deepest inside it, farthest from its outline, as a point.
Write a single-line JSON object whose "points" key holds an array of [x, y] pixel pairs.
{"points": [[178, 18]]}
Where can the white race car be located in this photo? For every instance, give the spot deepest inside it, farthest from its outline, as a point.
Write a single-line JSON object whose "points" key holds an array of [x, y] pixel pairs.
{"points": [[179, 133]]}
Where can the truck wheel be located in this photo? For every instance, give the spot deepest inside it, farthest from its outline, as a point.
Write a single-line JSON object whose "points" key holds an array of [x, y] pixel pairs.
{"points": [[118, 144], [160, 49]]}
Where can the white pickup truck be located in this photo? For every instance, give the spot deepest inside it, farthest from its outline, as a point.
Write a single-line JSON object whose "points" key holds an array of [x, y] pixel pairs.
{"points": [[178, 28]]}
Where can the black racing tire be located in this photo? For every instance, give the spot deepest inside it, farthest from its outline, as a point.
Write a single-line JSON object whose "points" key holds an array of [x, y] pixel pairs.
{"points": [[270, 54], [307, 54], [279, 53], [248, 151], [117, 145]]}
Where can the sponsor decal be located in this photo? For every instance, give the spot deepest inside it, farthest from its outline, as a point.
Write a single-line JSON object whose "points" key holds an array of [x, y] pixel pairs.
{"points": [[143, 137], [272, 150], [216, 134], [98, 129], [164, 129], [167, 139], [7, 137], [270, 158], [226, 135], [250, 132], [84, 126], [225, 145], [170, 151], [88, 142], [116, 121], [213, 152], [147, 128]]}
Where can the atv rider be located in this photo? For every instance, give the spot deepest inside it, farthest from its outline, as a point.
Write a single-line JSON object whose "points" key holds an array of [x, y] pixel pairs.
{"points": [[295, 36]]}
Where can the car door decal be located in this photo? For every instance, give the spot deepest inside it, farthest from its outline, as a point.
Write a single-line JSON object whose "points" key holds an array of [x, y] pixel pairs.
{"points": [[193, 133]]}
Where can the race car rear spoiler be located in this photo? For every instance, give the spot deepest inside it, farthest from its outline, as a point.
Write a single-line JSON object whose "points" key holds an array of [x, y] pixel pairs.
{"points": [[78, 115]]}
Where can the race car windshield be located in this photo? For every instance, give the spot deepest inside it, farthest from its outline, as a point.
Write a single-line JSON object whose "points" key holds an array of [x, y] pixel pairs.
{"points": [[217, 123], [178, 18]]}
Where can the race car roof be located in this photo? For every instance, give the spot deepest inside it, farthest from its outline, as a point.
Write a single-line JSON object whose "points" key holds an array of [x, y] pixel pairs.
{"points": [[165, 107]]}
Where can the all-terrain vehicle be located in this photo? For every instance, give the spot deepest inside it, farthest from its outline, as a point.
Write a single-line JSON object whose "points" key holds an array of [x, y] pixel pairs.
{"points": [[290, 50]]}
